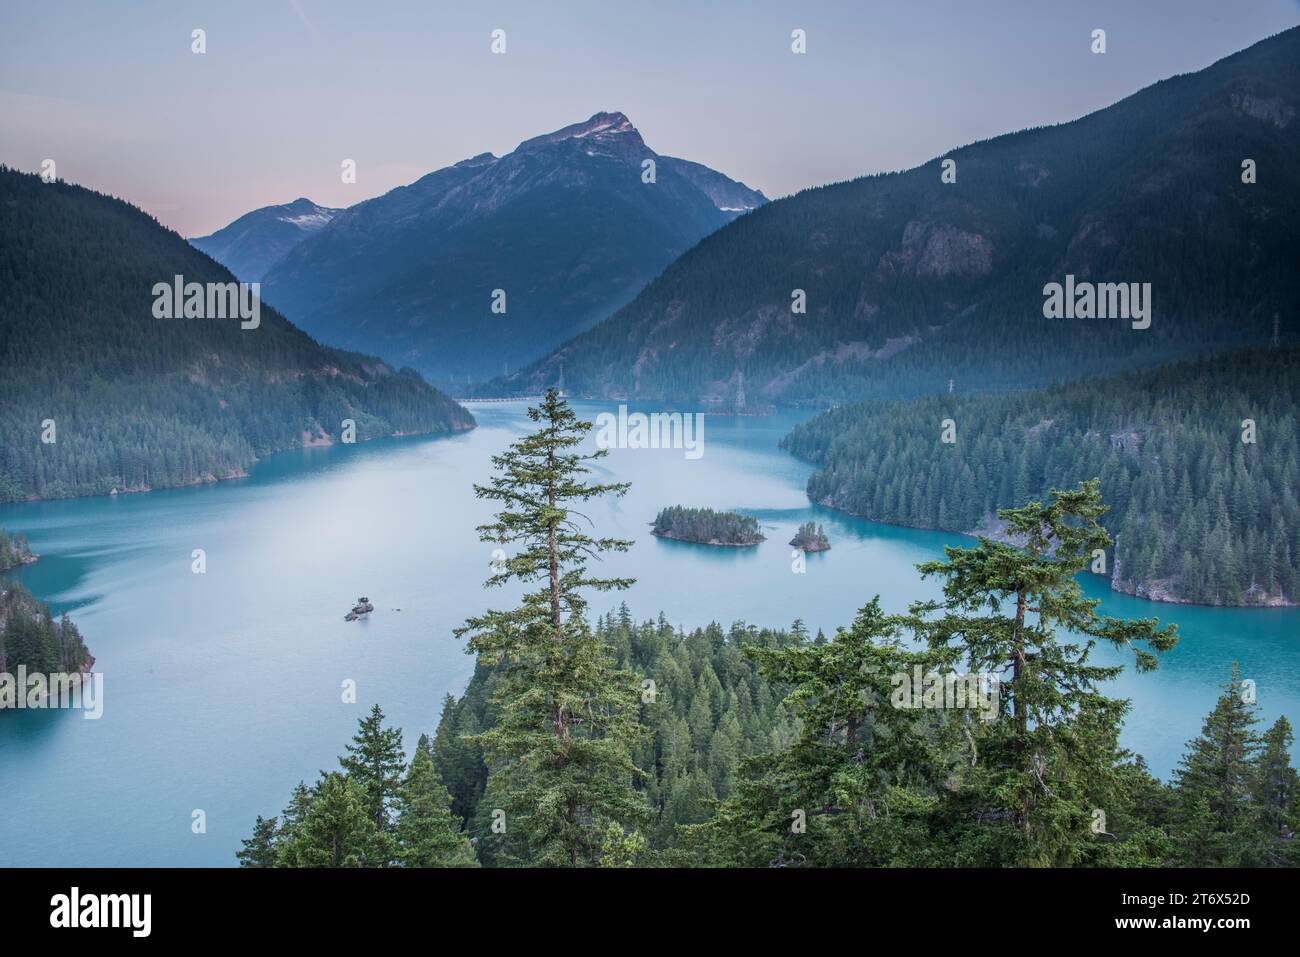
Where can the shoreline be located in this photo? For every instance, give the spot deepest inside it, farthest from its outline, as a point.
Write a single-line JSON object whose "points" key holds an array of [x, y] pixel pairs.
{"points": [[692, 541], [813, 549], [30, 559], [231, 474], [1137, 587]]}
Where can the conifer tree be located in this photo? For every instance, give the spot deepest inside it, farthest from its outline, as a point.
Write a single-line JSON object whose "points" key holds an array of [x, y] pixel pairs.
{"points": [[855, 782], [428, 835], [291, 817], [259, 849], [337, 829], [457, 758], [1051, 760], [1277, 795], [1215, 819], [566, 719], [376, 761], [621, 849]]}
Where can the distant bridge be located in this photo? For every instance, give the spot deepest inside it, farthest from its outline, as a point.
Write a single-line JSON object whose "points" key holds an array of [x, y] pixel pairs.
{"points": [[501, 398]]}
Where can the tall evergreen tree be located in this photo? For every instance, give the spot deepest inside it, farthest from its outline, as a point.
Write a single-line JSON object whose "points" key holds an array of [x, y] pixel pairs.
{"points": [[428, 835], [1277, 795], [259, 850], [337, 829], [1215, 819], [291, 817], [376, 761], [566, 718], [854, 787], [1054, 760]]}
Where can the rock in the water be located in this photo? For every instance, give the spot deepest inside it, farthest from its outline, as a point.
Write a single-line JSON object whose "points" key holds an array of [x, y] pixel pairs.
{"points": [[362, 607]]}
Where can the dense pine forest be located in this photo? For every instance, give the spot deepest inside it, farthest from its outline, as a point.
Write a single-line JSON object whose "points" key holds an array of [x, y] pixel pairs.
{"points": [[721, 742], [966, 732], [30, 636], [909, 281], [708, 708], [97, 394], [14, 551], [1204, 506], [376, 810], [706, 526]]}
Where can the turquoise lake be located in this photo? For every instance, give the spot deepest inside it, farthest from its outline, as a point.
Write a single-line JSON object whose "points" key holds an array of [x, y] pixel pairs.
{"points": [[223, 690]]}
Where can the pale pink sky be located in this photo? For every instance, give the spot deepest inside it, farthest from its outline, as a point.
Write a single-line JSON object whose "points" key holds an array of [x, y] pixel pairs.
{"points": [[290, 88]]}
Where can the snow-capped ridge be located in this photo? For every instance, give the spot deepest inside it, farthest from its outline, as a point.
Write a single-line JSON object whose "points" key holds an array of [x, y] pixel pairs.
{"points": [[482, 159], [604, 127]]}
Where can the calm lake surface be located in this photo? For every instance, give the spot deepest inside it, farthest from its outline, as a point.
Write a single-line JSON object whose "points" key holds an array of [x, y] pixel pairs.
{"points": [[223, 690]]}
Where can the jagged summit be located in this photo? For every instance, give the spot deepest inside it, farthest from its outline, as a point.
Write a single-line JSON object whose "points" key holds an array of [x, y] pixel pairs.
{"points": [[917, 283], [566, 225], [254, 242], [606, 123], [305, 214], [603, 127], [482, 159]]}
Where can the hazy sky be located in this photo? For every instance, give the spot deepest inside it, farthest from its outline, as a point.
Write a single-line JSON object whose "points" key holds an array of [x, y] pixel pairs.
{"points": [[290, 88]]}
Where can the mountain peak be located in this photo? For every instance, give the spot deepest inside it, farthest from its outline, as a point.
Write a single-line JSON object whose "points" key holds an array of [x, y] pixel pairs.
{"points": [[609, 123], [602, 127], [252, 243], [482, 159], [566, 216], [933, 291]]}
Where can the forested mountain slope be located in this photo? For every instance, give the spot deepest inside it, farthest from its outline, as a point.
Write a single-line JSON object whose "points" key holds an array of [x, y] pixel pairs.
{"points": [[31, 637], [911, 281], [97, 394], [566, 226], [1197, 513]]}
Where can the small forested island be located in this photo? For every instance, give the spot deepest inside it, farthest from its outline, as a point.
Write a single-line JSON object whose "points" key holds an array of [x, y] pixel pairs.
{"points": [[811, 538], [704, 526], [31, 636], [702, 764], [14, 551]]}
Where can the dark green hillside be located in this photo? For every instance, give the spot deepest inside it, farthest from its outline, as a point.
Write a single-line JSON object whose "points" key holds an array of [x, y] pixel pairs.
{"points": [[33, 638], [713, 710], [139, 402], [563, 225], [14, 550], [1197, 514], [911, 282]]}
